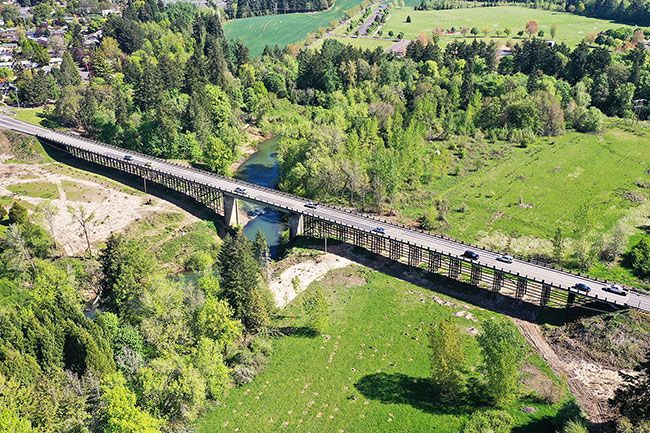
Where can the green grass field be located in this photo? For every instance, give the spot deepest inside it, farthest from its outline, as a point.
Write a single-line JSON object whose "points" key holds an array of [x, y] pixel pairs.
{"points": [[35, 189], [570, 28], [369, 374], [532, 191], [257, 32]]}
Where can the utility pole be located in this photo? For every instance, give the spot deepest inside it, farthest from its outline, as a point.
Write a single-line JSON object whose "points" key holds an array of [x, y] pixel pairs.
{"points": [[325, 244]]}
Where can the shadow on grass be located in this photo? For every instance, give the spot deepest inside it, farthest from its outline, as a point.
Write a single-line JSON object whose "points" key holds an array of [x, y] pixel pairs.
{"points": [[542, 425], [418, 392], [298, 331]]}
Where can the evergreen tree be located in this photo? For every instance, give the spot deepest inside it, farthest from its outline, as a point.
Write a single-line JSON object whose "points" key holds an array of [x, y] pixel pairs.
{"points": [[240, 282], [68, 73]]}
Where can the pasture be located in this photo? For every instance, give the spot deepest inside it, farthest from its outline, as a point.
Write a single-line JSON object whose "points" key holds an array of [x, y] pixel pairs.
{"points": [[257, 32], [571, 28], [371, 372]]}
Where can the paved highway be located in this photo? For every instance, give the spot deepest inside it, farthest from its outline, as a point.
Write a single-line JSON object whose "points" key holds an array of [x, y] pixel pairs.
{"points": [[286, 202]]}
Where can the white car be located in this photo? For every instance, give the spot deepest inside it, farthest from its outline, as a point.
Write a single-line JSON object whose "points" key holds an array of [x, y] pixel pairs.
{"points": [[505, 258], [240, 190], [615, 289]]}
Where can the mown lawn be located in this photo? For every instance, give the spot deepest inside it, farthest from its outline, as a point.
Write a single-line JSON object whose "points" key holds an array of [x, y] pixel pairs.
{"points": [[257, 32], [369, 374], [570, 28]]}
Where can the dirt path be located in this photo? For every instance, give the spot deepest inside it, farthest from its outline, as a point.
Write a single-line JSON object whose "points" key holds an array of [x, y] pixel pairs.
{"points": [[306, 272], [590, 383]]}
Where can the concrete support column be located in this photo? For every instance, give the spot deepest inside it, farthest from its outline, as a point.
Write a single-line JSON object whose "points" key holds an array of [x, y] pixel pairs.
{"points": [[296, 225], [230, 210]]}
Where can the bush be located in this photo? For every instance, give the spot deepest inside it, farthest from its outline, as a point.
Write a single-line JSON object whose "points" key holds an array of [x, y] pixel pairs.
{"points": [[199, 261], [640, 257], [492, 421], [18, 214], [575, 427], [588, 120]]}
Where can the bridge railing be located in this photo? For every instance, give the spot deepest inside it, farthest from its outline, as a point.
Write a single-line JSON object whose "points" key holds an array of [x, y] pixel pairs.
{"points": [[299, 198]]}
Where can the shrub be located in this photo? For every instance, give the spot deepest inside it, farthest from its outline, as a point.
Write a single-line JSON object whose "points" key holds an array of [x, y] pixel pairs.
{"points": [[575, 427], [640, 257], [199, 261], [17, 214], [493, 421], [589, 120]]}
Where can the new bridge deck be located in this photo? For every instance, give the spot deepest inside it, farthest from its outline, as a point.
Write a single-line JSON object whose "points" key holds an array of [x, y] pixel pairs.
{"points": [[421, 248]]}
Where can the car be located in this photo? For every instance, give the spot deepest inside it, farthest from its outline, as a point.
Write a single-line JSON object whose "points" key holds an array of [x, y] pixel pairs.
{"points": [[615, 289], [581, 287], [379, 230], [240, 190], [505, 258], [311, 205], [470, 255], [128, 158]]}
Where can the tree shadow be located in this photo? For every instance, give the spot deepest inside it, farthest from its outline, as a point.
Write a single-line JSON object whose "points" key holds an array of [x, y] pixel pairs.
{"points": [[542, 425], [418, 392], [298, 331]]}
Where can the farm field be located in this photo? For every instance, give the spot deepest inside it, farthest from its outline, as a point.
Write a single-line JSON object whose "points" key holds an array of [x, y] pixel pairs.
{"points": [[571, 28], [257, 32], [370, 373]]}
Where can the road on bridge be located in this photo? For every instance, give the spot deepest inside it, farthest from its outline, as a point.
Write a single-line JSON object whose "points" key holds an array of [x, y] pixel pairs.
{"points": [[289, 203]]}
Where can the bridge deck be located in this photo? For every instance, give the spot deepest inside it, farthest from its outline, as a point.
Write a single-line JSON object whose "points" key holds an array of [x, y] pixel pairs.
{"points": [[559, 279]]}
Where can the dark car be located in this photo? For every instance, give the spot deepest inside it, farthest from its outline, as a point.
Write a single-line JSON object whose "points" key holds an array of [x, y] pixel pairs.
{"points": [[128, 158], [582, 287], [240, 190], [470, 255], [311, 205], [616, 290], [379, 230]]}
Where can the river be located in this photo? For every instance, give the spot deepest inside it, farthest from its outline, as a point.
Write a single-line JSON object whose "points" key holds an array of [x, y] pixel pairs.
{"points": [[262, 169]]}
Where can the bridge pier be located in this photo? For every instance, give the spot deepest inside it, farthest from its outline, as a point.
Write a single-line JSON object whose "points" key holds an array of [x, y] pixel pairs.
{"points": [[230, 210], [296, 225]]}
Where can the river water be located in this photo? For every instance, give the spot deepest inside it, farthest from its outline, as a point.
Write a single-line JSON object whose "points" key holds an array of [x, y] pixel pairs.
{"points": [[262, 169]]}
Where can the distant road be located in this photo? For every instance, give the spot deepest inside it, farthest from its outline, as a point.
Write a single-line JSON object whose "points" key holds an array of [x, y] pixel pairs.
{"points": [[294, 204]]}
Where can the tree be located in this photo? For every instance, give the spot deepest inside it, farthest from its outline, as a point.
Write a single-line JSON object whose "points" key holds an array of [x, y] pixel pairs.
{"points": [[261, 250], [640, 257], [448, 357], [3, 213], [503, 359], [474, 31], [240, 282], [632, 398], [47, 211], [18, 214], [172, 388], [507, 31], [553, 31], [214, 320], [86, 221], [209, 361], [408, 18], [127, 268], [120, 412], [532, 27], [316, 308]]}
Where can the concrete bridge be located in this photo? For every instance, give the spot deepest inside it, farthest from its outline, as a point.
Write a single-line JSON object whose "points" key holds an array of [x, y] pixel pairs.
{"points": [[521, 279]]}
